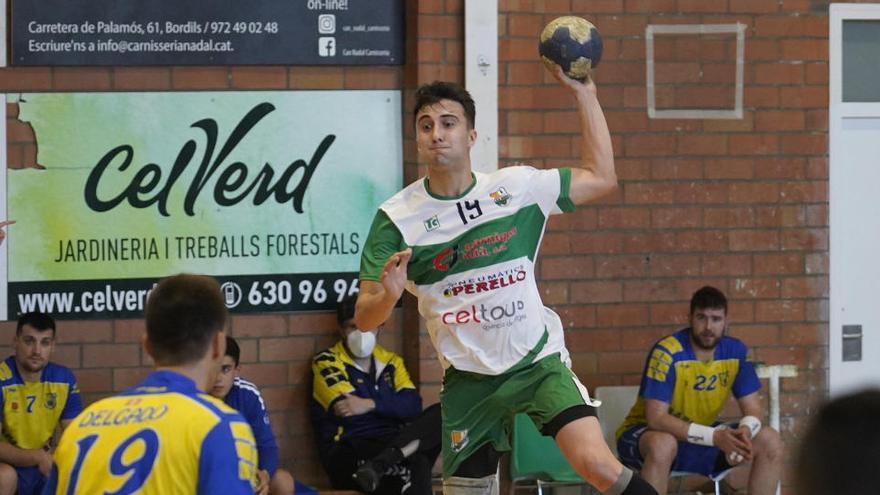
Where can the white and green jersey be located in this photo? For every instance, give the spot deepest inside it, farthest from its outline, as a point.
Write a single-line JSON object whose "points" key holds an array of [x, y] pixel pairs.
{"points": [[473, 265]]}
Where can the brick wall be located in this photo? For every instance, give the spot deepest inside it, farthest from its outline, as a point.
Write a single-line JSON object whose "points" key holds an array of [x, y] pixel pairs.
{"points": [[741, 204]]}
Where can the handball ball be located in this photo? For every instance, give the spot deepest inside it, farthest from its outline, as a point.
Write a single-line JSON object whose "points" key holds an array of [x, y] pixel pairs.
{"points": [[573, 43]]}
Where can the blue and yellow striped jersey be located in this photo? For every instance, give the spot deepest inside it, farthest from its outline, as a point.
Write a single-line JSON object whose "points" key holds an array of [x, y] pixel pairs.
{"points": [[161, 437], [336, 374], [32, 410], [695, 391], [245, 398]]}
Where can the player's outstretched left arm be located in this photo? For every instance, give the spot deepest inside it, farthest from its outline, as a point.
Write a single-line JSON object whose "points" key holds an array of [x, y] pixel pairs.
{"points": [[596, 176], [376, 300]]}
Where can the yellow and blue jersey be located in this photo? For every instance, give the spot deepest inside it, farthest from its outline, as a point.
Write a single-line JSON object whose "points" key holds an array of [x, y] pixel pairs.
{"points": [[32, 410], [163, 436], [695, 391], [389, 385], [245, 398]]}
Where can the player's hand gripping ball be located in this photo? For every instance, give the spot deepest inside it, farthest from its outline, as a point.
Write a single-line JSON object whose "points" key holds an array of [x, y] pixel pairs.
{"points": [[572, 43]]}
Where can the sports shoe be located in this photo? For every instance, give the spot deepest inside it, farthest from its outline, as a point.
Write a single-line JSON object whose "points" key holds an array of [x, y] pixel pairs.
{"points": [[368, 476]]}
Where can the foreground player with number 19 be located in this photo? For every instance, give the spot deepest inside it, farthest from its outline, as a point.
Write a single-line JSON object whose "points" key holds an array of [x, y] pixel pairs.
{"points": [[165, 435], [465, 243]]}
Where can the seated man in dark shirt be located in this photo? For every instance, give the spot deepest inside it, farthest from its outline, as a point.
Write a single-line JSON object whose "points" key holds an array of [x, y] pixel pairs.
{"points": [[244, 397], [372, 434]]}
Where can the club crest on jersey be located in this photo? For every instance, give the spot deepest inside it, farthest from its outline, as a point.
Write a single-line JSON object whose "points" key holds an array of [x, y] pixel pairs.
{"points": [[459, 440], [501, 196], [432, 223], [51, 400]]}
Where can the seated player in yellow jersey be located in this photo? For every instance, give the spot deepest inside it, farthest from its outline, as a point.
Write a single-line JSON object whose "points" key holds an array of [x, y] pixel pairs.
{"points": [[37, 395], [687, 379], [165, 436]]}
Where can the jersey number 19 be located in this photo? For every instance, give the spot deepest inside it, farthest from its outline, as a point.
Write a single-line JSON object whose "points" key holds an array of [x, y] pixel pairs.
{"points": [[140, 467]]}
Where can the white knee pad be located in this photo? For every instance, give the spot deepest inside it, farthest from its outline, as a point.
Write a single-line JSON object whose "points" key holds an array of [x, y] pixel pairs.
{"points": [[487, 485]]}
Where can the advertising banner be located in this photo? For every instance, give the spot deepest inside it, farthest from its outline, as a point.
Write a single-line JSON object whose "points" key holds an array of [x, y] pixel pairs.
{"points": [[207, 32], [271, 192]]}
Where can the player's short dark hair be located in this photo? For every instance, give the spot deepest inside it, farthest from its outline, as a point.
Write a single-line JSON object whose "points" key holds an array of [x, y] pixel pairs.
{"points": [[40, 321], [232, 349], [840, 451], [345, 309], [183, 314], [431, 94], [708, 298]]}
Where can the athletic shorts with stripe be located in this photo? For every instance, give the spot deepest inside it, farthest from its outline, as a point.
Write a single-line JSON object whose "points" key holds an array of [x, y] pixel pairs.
{"points": [[480, 409]]}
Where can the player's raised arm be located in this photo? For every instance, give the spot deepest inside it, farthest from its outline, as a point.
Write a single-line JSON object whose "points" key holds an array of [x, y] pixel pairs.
{"points": [[596, 176], [376, 300]]}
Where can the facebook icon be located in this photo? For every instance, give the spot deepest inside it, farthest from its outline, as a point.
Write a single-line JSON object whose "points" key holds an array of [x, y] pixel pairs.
{"points": [[327, 46]]}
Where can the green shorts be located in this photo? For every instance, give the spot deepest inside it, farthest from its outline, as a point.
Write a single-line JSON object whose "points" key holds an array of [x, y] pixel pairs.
{"points": [[478, 409]]}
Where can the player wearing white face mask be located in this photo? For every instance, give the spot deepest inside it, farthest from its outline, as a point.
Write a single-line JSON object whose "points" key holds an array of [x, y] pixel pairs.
{"points": [[363, 404]]}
